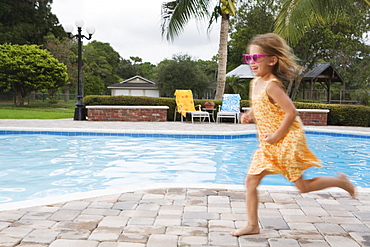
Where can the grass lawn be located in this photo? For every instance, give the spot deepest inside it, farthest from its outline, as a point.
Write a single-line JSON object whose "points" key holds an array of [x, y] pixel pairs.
{"points": [[37, 110]]}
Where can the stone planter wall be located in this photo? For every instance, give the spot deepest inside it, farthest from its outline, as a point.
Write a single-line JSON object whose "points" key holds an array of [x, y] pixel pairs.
{"points": [[315, 117], [127, 113]]}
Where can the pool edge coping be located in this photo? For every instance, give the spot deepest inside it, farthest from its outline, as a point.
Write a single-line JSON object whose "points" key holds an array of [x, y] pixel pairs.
{"points": [[129, 131], [181, 133], [132, 188]]}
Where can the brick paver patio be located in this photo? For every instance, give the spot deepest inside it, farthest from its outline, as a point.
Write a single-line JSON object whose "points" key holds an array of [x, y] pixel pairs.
{"points": [[169, 217]]}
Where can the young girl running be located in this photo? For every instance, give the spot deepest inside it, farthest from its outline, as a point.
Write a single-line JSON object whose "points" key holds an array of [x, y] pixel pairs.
{"points": [[282, 149]]}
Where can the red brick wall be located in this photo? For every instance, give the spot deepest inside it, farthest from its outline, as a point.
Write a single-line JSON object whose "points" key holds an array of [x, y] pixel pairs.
{"points": [[314, 118], [127, 114], [309, 116]]}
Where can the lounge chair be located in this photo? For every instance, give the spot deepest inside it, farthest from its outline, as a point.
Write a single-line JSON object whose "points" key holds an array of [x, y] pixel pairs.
{"points": [[185, 105], [230, 107]]}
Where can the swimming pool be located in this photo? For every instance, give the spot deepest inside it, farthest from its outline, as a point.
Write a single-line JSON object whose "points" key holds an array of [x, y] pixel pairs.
{"points": [[36, 165]]}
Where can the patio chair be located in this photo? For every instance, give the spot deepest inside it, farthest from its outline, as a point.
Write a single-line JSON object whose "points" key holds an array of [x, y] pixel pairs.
{"points": [[230, 107], [185, 105]]}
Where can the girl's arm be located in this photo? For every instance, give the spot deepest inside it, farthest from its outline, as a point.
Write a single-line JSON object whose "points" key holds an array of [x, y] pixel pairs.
{"points": [[278, 95]]}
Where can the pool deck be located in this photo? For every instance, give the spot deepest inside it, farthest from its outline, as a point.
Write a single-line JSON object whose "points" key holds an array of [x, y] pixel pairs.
{"points": [[169, 215]]}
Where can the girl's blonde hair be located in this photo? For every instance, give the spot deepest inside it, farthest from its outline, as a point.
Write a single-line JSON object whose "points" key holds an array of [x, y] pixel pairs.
{"points": [[286, 68]]}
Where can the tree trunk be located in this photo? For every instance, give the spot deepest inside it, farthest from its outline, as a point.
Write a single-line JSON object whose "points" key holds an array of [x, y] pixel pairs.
{"points": [[19, 99], [52, 98], [222, 57], [296, 88], [32, 96], [66, 94]]}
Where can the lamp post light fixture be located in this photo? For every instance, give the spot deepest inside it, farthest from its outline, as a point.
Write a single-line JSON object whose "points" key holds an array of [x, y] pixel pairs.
{"points": [[80, 110]]}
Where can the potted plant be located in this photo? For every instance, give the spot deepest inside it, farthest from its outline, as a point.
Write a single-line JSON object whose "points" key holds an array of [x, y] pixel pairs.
{"points": [[209, 105]]}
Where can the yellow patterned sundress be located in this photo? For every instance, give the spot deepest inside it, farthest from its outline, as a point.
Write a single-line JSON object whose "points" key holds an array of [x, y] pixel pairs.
{"points": [[290, 156]]}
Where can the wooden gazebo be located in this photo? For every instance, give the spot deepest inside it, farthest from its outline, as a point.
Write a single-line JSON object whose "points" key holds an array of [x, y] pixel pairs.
{"points": [[325, 74]]}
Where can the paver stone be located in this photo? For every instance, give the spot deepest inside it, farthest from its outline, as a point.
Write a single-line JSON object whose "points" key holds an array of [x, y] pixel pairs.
{"points": [[74, 243]]}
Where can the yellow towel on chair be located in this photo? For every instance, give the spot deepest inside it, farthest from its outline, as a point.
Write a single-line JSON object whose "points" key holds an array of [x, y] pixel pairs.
{"points": [[184, 101]]}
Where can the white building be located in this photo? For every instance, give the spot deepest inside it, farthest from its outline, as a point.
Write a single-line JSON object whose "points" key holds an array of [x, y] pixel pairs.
{"points": [[135, 86]]}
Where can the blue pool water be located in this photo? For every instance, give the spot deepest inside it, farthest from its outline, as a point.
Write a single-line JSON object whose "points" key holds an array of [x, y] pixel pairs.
{"points": [[38, 165]]}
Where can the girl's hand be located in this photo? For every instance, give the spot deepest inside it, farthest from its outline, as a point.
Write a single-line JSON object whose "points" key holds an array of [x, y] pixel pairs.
{"points": [[245, 118], [270, 138]]}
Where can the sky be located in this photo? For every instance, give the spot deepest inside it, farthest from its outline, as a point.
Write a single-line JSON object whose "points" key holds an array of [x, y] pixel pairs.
{"points": [[133, 28]]}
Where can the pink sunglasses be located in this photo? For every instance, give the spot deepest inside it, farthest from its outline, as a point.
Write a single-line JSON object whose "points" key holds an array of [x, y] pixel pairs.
{"points": [[248, 58]]}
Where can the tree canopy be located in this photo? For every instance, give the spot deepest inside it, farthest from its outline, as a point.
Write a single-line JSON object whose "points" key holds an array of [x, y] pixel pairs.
{"points": [[26, 68], [135, 66], [181, 72], [63, 50], [27, 22], [100, 67]]}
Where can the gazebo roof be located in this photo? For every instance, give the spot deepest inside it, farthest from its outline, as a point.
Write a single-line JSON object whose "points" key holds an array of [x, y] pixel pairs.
{"points": [[323, 72], [243, 71]]}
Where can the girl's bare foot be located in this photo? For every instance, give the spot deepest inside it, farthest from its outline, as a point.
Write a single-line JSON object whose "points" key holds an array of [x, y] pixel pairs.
{"points": [[347, 186], [245, 231]]}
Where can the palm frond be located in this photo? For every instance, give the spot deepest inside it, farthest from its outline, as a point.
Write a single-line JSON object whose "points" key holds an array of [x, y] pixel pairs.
{"points": [[287, 24], [176, 14], [298, 16], [216, 14]]}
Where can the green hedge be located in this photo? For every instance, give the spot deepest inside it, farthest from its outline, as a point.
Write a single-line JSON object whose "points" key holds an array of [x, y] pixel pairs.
{"points": [[341, 115]]}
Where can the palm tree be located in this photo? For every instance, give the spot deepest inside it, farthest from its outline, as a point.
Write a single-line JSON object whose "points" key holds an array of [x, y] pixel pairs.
{"points": [[176, 14], [298, 16]]}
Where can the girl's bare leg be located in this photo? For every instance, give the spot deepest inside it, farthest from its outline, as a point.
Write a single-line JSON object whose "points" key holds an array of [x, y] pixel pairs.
{"points": [[320, 183], [251, 198]]}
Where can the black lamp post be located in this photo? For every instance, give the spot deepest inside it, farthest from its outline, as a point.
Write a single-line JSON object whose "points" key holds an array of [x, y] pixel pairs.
{"points": [[80, 110]]}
